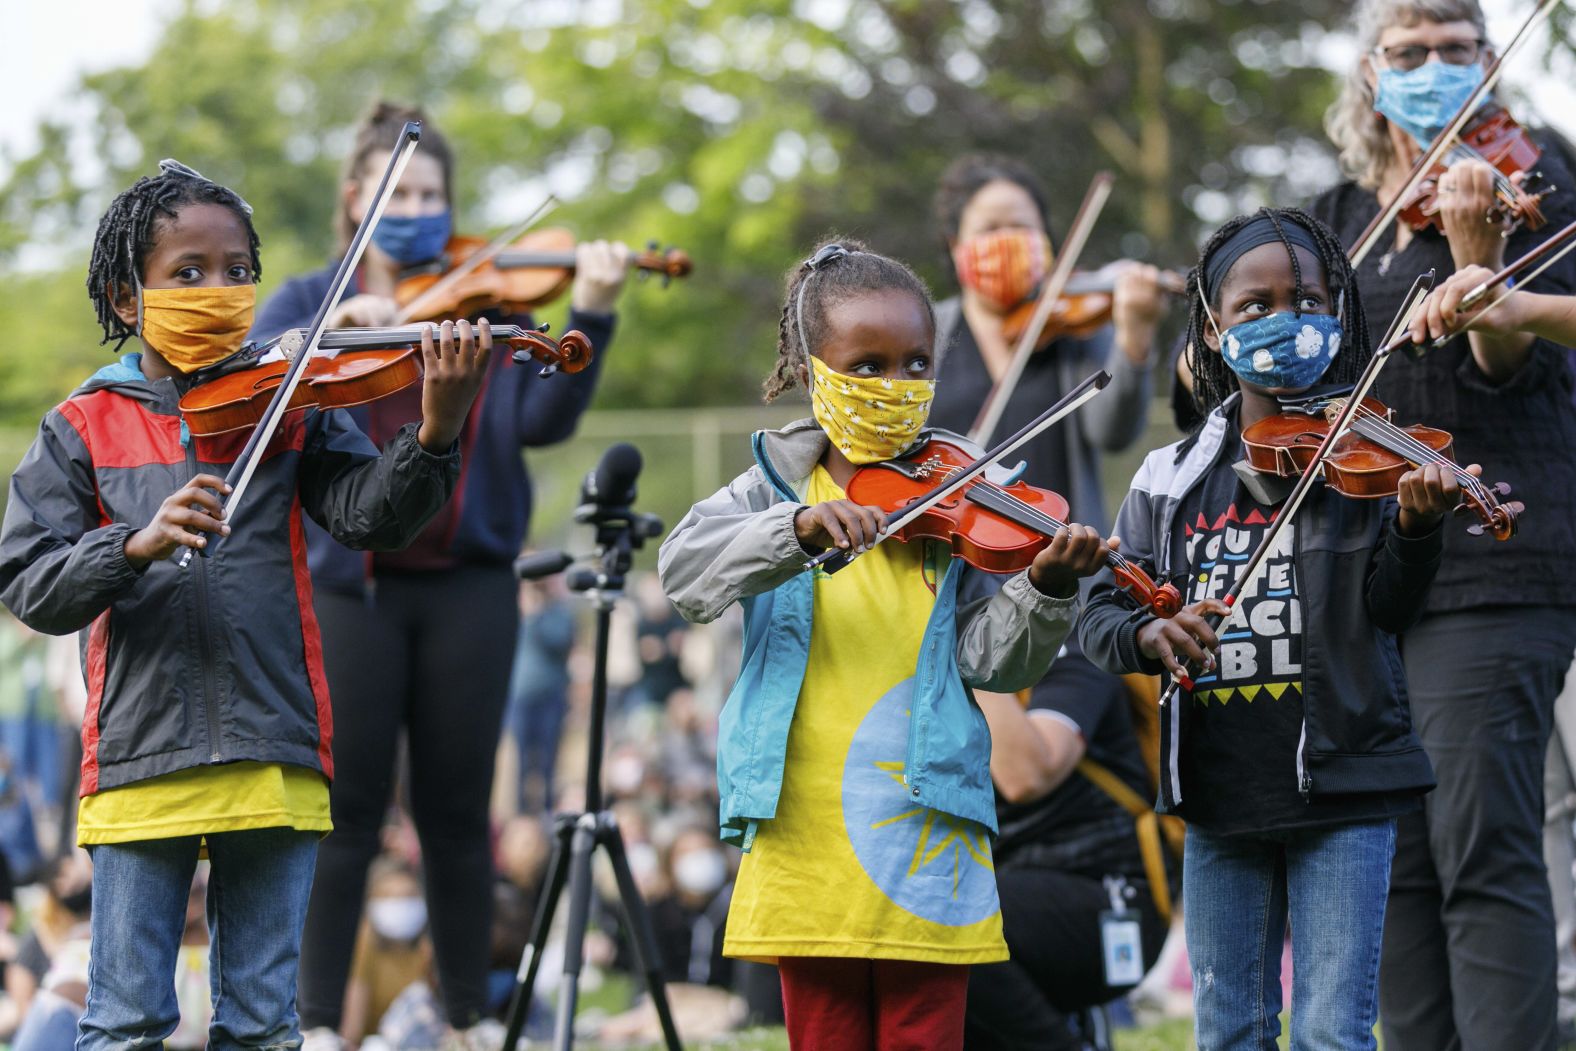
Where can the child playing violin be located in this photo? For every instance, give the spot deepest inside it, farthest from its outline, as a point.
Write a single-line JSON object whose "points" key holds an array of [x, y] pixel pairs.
{"points": [[1292, 752], [207, 724], [850, 754]]}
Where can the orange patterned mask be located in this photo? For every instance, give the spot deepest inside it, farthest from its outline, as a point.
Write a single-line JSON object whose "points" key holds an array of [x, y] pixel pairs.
{"points": [[1004, 266]]}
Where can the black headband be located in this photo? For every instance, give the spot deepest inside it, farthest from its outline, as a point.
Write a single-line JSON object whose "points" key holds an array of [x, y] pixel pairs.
{"points": [[1260, 230]]}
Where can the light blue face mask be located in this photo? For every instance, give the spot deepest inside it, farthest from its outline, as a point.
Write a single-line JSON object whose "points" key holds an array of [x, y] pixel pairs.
{"points": [[1422, 101], [410, 239], [1282, 351]]}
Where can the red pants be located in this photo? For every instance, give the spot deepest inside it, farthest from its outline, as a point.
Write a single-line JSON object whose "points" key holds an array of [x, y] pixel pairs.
{"points": [[834, 1004]]}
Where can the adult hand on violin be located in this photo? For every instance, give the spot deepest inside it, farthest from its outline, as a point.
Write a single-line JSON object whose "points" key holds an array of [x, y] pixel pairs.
{"points": [[1075, 551], [183, 518], [452, 375], [600, 270], [1136, 304], [1426, 495], [1441, 315], [841, 524], [364, 311], [1185, 639], [1466, 208]]}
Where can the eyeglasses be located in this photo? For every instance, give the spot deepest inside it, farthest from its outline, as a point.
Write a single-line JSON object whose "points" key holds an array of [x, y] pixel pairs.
{"points": [[1407, 57]]}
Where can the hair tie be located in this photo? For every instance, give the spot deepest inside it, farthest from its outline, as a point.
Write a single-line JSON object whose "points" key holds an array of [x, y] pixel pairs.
{"points": [[825, 256], [171, 166]]}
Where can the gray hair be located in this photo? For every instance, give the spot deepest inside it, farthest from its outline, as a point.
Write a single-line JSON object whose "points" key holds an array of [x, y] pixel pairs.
{"points": [[1361, 135]]}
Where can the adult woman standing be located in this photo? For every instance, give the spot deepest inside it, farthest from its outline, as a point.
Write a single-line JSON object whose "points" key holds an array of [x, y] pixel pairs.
{"points": [[1468, 958], [422, 640], [1061, 834]]}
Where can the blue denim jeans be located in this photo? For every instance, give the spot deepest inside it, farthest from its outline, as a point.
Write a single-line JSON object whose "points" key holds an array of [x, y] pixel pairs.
{"points": [[257, 893], [1238, 893]]}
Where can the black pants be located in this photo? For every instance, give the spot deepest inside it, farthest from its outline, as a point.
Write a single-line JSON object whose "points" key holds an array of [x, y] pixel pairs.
{"points": [[431, 656], [1051, 919], [1468, 958]]}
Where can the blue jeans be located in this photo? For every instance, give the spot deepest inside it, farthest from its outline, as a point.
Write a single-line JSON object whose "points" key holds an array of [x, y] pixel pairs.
{"points": [[1238, 893], [257, 893]]}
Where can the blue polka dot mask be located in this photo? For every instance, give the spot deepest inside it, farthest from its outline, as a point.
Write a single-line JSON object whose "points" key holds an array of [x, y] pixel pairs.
{"points": [[1281, 351]]}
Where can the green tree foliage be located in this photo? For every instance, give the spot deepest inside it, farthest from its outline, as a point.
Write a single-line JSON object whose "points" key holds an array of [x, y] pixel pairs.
{"points": [[739, 130]]}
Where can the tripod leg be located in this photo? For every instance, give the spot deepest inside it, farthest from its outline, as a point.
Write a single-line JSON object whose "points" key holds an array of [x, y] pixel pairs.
{"points": [[645, 937], [575, 936], [541, 923]]}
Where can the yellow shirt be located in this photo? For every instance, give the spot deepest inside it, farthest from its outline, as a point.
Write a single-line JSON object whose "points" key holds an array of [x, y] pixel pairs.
{"points": [[849, 866], [228, 797]]}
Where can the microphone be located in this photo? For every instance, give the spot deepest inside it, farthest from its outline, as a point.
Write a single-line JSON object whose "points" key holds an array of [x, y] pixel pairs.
{"points": [[541, 564], [612, 483]]}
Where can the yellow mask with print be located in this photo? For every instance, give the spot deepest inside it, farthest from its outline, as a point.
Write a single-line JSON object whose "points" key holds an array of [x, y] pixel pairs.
{"points": [[868, 418], [195, 327]]}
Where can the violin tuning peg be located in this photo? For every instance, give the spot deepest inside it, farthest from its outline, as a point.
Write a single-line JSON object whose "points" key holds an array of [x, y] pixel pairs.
{"points": [[652, 245], [548, 370], [1501, 488], [1475, 529], [543, 328]]}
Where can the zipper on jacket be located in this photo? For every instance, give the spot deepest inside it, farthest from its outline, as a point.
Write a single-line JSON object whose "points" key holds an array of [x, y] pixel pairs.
{"points": [[205, 640], [1304, 782]]}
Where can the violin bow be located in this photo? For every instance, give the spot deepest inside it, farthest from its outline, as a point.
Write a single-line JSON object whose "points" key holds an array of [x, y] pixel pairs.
{"points": [[1448, 137], [834, 559], [1055, 284], [476, 260], [1545, 255], [245, 466], [1304, 486]]}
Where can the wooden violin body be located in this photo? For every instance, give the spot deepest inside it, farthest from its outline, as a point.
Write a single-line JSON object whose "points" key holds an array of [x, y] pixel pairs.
{"points": [[1082, 310], [996, 528], [1368, 461], [535, 270], [1496, 138], [354, 367]]}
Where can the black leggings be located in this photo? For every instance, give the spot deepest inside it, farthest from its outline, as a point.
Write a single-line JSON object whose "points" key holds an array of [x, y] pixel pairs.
{"points": [[431, 656]]}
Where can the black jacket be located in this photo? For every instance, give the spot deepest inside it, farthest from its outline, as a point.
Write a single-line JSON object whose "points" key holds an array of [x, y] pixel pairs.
{"points": [[1361, 584]]}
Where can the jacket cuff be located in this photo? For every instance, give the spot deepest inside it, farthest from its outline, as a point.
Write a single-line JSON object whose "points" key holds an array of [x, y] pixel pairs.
{"points": [[1035, 602], [409, 452], [786, 548], [1418, 550], [597, 326], [113, 567], [1127, 650]]}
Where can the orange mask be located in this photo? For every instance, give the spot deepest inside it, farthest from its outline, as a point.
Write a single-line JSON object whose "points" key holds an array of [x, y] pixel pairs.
{"points": [[195, 327], [1004, 266]]}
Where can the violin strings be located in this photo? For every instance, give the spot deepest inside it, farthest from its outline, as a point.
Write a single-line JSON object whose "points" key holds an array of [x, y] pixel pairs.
{"points": [[1033, 513], [1419, 452]]}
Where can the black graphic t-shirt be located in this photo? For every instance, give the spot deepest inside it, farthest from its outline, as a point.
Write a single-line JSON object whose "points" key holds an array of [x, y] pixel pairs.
{"points": [[1241, 765]]}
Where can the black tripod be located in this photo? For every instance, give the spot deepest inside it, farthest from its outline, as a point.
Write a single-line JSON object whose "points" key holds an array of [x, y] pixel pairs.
{"points": [[620, 531]]}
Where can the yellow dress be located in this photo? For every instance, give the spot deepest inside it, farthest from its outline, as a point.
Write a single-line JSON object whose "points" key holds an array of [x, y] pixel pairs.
{"points": [[849, 866]]}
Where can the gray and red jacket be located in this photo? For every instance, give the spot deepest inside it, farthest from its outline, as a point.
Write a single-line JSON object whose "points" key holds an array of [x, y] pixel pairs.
{"points": [[220, 661]]}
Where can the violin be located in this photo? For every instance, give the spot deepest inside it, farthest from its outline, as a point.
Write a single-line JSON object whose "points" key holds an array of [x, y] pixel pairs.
{"points": [[996, 528], [533, 271], [1368, 461], [1083, 308], [356, 366], [1496, 139]]}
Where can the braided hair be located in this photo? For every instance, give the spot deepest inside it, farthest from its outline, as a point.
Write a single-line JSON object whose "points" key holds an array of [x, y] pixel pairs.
{"points": [[838, 270], [127, 230], [1213, 380]]}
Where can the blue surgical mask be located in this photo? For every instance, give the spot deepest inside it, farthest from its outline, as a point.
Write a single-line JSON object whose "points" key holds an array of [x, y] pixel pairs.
{"points": [[1282, 351], [1422, 101], [410, 239]]}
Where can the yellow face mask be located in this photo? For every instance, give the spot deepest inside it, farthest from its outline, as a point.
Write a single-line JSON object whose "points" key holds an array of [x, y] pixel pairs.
{"points": [[868, 418], [194, 327]]}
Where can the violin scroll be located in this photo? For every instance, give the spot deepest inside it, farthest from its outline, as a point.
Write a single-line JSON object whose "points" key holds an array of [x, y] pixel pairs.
{"points": [[1163, 600], [569, 353], [1496, 516], [672, 263]]}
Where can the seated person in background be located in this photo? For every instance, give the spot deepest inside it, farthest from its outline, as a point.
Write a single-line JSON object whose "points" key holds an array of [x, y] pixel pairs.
{"points": [[393, 951], [1065, 841]]}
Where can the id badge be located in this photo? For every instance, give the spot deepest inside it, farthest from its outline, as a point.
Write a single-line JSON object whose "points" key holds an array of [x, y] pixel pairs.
{"points": [[1122, 944]]}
